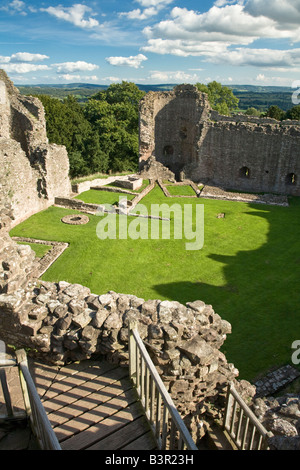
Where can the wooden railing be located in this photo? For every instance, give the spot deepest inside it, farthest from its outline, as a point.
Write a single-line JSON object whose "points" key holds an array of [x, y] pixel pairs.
{"points": [[34, 410], [244, 430], [164, 419], [5, 364]]}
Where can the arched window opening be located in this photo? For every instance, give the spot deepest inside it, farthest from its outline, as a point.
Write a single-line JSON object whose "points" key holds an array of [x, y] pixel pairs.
{"points": [[244, 172], [291, 179], [168, 150]]}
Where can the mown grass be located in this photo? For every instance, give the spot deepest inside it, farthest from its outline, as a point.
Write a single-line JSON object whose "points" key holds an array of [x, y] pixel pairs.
{"points": [[248, 269], [93, 196], [40, 250], [181, 190], [96, 176]]}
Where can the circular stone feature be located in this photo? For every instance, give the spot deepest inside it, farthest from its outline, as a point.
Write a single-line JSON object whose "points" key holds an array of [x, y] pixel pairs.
{"points": [[75, 219]]}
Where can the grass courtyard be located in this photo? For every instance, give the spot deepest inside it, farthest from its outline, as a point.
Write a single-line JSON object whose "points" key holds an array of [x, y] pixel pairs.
{"points": [[248, 269]]}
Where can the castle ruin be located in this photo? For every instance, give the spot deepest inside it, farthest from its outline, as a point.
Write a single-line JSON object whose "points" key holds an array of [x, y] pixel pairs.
{"points": [[181, 130], [62, 322], [32, 171]]}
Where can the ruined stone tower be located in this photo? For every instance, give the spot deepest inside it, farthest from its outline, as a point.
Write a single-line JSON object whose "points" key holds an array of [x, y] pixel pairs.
{"points": [[32, 172], [238, 152]]}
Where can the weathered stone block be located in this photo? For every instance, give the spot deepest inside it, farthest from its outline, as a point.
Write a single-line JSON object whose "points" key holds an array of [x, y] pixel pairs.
{"points": [[78, 291], [198, 351], [31, 328], [100, 317], [113, 321], [84, 318]]}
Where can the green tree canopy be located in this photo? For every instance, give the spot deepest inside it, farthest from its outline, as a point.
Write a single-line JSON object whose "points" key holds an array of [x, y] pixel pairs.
{"points": [[67, 125], [253, 112], [114, 116], [275, 112], [293, 113], [221, 98]]}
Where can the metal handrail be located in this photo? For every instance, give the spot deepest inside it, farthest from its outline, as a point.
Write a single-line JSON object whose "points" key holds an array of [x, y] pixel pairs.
{"points": [[163, 417], [241, 424]]}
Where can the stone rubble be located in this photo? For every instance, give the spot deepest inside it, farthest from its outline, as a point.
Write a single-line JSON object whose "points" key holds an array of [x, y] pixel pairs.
{"points": [[281, 416]]}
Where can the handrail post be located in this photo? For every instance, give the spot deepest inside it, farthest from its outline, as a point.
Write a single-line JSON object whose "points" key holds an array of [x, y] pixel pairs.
{"points": [[22, 358], [227, 407], [132, 350], [6, 394]]}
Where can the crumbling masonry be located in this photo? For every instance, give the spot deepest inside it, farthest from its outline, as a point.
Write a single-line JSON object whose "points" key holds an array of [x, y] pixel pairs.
{"points": [[32, 172], [180, 129]]}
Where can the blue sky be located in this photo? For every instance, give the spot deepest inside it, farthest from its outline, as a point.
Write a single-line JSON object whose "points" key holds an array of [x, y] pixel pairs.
{"points": [[255, 42]]}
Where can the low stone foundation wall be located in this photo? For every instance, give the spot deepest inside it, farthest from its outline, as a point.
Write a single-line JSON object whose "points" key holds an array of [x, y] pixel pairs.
{"points": [[76, 204], [65, 322], [214, 192]]}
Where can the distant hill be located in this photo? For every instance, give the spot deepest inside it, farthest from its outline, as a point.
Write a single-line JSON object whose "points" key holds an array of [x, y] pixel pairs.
{"points": [[82, 91], [259, 97]]}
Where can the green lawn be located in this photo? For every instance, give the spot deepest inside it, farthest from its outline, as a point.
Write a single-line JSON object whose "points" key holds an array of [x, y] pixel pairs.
{"points": [[40, 250], [93, 196], [181, 190], [248, 269]]}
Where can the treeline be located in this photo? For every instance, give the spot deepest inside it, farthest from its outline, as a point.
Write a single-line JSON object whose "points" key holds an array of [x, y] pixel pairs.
{"points": [[100, 135], [277, 113]]}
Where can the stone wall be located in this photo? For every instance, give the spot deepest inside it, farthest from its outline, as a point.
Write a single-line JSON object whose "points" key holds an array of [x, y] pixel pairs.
{"points": [[64, 322], [32, 172], [238, 152]]}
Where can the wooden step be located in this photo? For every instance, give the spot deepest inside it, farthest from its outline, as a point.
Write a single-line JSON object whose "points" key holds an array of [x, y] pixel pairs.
{"points": [[216, 438]]}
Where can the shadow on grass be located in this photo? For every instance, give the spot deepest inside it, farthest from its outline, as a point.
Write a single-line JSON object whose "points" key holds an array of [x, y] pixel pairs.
{"points": [[260, 298]]}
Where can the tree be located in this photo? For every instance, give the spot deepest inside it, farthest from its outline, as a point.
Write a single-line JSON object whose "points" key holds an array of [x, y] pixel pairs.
{"points": [[67, 125], [275, 112], [125, 92], [253, 112], [221, 98], [114, 116], [293, 113]]}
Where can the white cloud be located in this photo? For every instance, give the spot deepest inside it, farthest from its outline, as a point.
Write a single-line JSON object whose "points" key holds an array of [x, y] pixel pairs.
{"points": [[154, 3], [71, 78], [112, 79], [178, 76], [4, 59], [16, 6], [222, 3], [21, 62], [272, 58], [224, 33], [79, 66], [75, 14], [230, 24], [23, 68], [132, 61], [151, 8], [185, 48], [285, 12], [138, 14], [27, 57], [262, 78]]}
